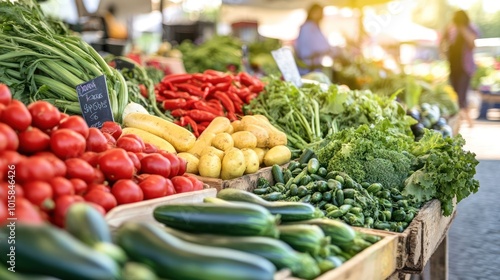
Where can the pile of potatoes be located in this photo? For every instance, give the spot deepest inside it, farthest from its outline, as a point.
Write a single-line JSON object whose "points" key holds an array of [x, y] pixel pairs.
{"points": [[228, 150]]}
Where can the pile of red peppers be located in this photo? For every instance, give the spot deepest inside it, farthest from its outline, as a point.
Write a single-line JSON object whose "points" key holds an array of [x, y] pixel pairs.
{"points": [[196, 99]]}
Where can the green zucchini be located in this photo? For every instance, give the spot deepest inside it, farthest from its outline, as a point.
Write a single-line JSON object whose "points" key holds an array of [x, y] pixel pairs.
{"points": [[288, 211], [306, 155], [234, 218], [313, 166], [304, 238], [277, 174], [173, 258], [137, 271], [47, 250], [87, 224], [16, 275], [276, 251], [340, 233]]}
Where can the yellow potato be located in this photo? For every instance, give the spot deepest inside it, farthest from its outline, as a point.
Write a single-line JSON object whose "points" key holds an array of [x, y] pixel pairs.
{"points": [[192, 162], [277, 155], [237, 126], [251, 161], [233, 164], [260, 133], [260, 154], [244, 139], [213, 151], [223, 141], [210, 166]]}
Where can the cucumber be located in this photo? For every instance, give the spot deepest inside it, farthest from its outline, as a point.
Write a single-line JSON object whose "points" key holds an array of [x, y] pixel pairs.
{"points": [[322, 172], [287, 175], [334, 184], [306, 199], [261, 191], [274, 196], [316, 197], [374, 188], [322, 186], [46, 250], [304, 238], [345, 208], [339, 196], [327, 196], [87, 224], [306, 155], [277, 174], [349, 193], [293, 165], [276, 251], [340, 179], [340, 233], [173, 258], [313, 166], [294, 189], [335, 213], [302, 191], [288, 211], [316, 177], [137, 271], [238, 218]]}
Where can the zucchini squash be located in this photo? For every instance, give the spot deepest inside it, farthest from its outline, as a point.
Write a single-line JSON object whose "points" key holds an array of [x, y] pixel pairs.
{"points": [[340, 233], [304, 238]]}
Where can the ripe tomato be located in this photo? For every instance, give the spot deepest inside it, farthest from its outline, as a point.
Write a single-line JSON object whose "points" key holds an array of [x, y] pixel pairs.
{"points": [[133, 136], [59, 165], [182, 184], [140, 178], [110, 139], [98, 176], [182, 166], [4, 213], [27, 212], [33, 140], [150, 148], [63, 117], [197, 184], [78, 168], [116, 164], [105, 199], [61, 186], [100, 187], [96, 141], [154, 186], [174, 164], [155, 164], [170, 187], [126, 191], [140, 156], [77, 124], [5, 95], [112, 128], [11, 157], [91, 157], [79, 185], [45, 115], [34, 169], [129, 144], [16, 115], [135, 160], [97, 207], [12, 138], [3, 142], [62, 204], [66, 143], [39, 193]]}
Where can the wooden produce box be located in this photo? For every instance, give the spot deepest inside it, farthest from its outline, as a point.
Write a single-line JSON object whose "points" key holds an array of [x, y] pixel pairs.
{"points": [[143, 211]]}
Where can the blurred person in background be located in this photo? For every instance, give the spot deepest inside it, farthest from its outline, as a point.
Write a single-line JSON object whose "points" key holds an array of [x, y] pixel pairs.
{"points": [[458, 42], [311, 45]]}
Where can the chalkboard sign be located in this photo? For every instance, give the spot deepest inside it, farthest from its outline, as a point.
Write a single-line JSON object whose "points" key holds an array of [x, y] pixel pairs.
{"points": [[94, 101], [121, 64], [286, 63]]}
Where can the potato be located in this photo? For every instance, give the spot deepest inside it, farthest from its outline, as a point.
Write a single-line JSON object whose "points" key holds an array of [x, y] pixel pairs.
{"points": [[276, 137], [260, 154], [210, 166], [237, 126], [213, 151], [233, 164], [230, 129], [192, 162], [260, 133], [223, 141], [244, 139], [277, 155], [251, 161]]}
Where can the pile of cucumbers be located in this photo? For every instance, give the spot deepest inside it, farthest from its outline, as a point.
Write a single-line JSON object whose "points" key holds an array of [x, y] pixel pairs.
{"points": [[338, 196]]}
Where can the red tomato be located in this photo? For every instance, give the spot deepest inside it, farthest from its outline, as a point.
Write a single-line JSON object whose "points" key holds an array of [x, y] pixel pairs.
{"points": [[150, 148], [139, 139], [39, 193], [79, 185], [112, 128], [4, 213], [11, 135], [110, 139], [126, 191], [129, 144], [155, 164], [61, 186], [96, 141], [182, 166], [33, 140], [174, 164], [91, 157], [34, 169], [154, 186], [3, 142], [140, 178], [100, 187], [135, 160], [140, 156], [98, 176], [62, 203], [66, 143], [17, 116], [182, 184], [63, 117], [78, 168], [45, 115], [105, 199], [116, 164], [4, 192], [10, 193], [97, 207], [27, 212], [170, 187], [5, 95], [59, 165], [197, 184], [77, 124], [11, 157]]}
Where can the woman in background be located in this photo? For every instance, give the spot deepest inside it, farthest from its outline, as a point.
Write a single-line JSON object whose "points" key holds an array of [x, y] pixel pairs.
{"points": [[459, 39]]}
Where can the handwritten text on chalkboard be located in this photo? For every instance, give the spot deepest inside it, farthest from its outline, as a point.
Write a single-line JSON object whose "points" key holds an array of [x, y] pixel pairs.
{"points": [[94, 101]]}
